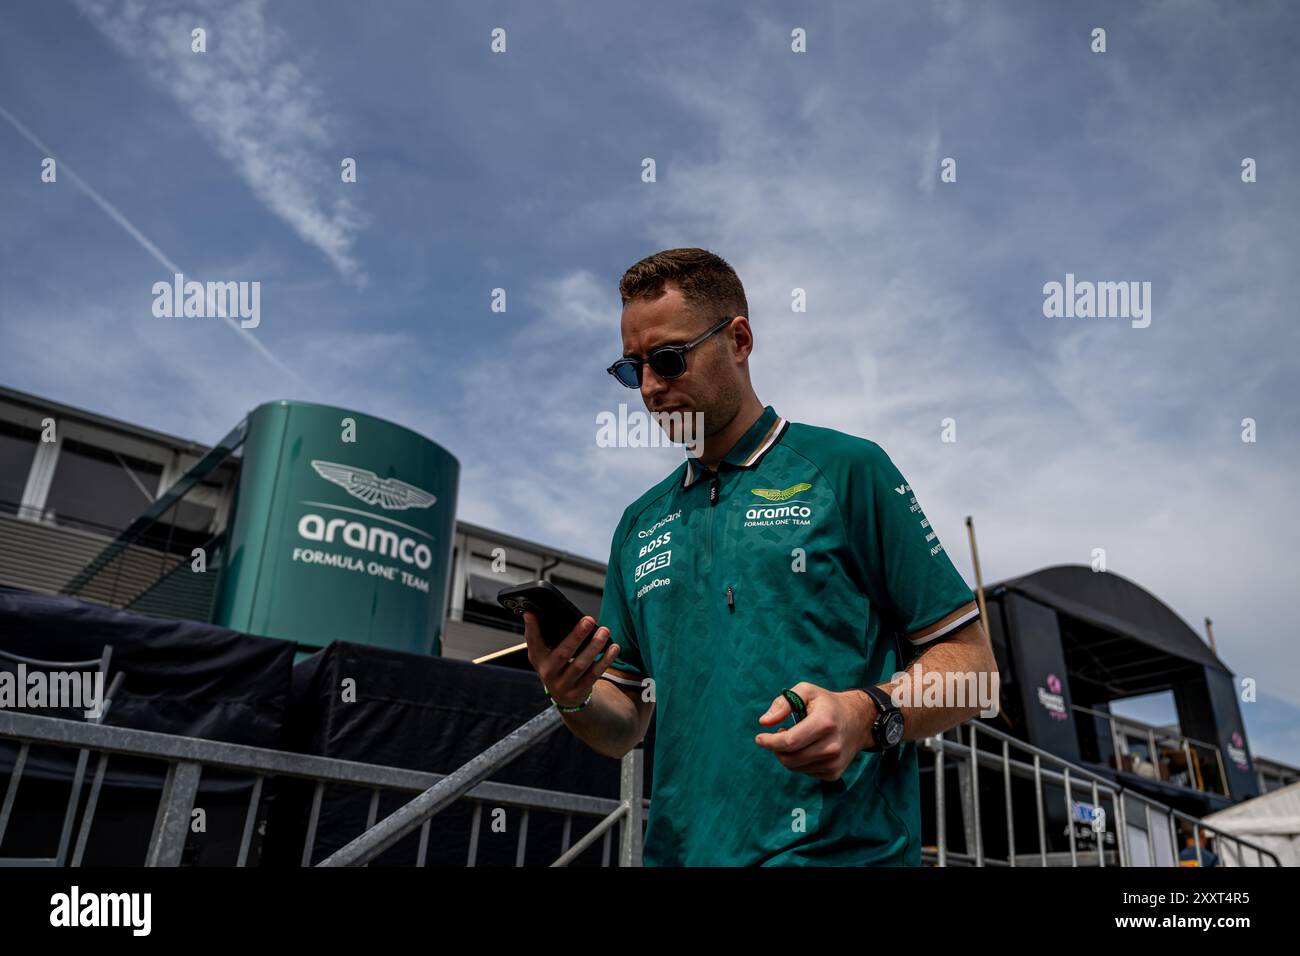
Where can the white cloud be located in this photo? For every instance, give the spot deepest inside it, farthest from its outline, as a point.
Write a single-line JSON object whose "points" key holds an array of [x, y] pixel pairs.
{"points": [[928, 174], [251, 99], [249, 338]]}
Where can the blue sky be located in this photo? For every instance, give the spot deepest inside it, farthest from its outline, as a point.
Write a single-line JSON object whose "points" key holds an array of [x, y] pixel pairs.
{"points": [[815, 171]]}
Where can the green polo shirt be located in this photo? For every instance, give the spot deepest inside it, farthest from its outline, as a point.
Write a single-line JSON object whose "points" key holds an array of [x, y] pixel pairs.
{"points": [[805, 557]]}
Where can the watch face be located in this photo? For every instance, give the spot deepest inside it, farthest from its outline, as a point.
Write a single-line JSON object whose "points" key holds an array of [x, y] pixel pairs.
{"points": [[894, 730]]}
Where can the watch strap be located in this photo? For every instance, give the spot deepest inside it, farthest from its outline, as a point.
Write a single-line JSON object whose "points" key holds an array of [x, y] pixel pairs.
{"points": [[884, 707]]}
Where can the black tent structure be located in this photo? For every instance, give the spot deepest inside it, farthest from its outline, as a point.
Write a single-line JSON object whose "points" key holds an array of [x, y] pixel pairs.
{"points": [[1070, 641]]}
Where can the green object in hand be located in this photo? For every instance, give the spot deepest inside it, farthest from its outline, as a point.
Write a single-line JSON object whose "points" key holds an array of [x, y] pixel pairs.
{"points": [[796, 703]]}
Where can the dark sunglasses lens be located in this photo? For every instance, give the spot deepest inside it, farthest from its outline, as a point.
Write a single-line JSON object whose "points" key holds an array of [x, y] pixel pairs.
{"points": [[668, 363], [628, 373]]}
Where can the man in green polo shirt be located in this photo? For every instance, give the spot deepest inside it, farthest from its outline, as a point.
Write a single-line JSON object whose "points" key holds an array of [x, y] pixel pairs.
{"points": [[779, 557]]}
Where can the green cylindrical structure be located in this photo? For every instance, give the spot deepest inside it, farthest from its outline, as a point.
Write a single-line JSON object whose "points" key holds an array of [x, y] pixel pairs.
{"points": [[342, 530]]}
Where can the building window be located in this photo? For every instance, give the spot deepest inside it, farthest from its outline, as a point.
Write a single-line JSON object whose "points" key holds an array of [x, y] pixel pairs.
{"points": [[584, 596], [481, 605], [99, 489], [17, 449], [187, 524]]}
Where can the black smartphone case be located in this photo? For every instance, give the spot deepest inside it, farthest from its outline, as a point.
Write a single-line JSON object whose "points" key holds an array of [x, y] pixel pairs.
{"points": [[556, 614]]}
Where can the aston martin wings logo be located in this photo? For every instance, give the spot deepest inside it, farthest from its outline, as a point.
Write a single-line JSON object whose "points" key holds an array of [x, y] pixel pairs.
{"points": [[388, 493], [773, 494]]}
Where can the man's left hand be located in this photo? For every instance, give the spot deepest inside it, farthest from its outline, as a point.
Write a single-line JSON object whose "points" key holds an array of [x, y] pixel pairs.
{"points": [[836, 728]]}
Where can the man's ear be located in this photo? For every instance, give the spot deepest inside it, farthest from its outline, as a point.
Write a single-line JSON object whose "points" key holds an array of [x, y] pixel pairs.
{"points": [[744, 336]]}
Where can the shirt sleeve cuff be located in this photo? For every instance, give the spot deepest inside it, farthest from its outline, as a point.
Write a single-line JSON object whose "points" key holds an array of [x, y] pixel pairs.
{"points": [[956, 622]]}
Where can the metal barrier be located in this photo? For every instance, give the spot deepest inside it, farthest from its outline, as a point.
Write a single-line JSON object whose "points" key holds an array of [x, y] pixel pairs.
{"points": [[101, 665], [379, 837], [1045, 768], [1161, 747], [187, 757]]}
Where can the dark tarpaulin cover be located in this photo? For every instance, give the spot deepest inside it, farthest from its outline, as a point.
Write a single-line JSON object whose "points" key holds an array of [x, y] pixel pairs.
{"points": [[179, 677], [1117, 604], [431, 714]]}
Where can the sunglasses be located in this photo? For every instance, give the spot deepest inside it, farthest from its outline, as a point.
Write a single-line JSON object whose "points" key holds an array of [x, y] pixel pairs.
{"points": [[668, 361]]}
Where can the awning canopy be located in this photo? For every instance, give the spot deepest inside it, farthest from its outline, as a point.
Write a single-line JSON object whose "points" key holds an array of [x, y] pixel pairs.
{"points": [[1114, 603]]}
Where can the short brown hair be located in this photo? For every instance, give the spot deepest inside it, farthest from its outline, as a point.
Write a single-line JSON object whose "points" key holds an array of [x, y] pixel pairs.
{"points": [[711, 288]]}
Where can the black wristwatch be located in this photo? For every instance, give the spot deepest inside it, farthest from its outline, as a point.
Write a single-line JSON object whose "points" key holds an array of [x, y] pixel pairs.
{"points": [[887, 730]]}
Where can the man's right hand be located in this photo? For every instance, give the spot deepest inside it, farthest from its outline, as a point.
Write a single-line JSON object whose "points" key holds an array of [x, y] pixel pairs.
{"points": [[568, 681]]}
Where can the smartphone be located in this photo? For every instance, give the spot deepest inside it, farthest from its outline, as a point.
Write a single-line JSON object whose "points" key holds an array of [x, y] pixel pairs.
{"points": [[556, 614]]}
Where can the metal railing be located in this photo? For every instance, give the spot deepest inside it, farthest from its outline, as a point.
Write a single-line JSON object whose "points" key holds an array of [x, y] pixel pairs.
{"points": [[1160, 746], [187, 757], [1044, 769], [1133, 814], [101, 665], [417, 814]]}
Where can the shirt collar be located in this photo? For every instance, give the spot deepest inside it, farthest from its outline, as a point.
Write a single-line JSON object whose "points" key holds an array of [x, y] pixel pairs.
{"points": [[752, 446]]}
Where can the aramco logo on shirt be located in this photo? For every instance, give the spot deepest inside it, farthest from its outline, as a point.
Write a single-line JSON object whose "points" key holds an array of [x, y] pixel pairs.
{"points": [[774, 494], [789, 512]]}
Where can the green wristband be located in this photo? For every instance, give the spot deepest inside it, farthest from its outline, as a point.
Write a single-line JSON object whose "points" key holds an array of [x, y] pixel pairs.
{"points": [[569, 710]]}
